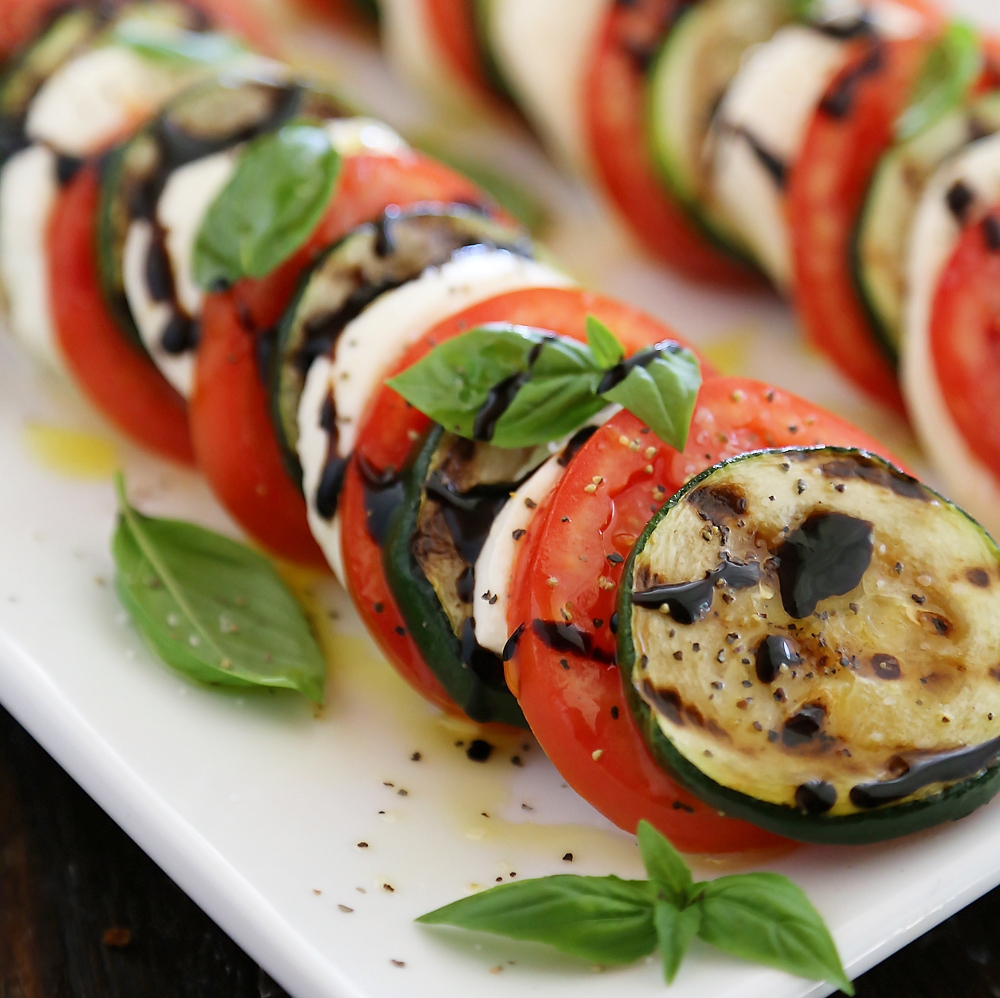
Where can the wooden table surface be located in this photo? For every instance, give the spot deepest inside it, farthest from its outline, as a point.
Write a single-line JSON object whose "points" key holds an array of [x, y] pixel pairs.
{"points": [[84, 913]]}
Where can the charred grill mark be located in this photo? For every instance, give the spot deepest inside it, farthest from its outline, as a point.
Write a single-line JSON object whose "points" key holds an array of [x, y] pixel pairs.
{"points": [[839, 99], [875, 473], [886, 667], [939, 624], [921, 770], [978, 577], [827, 556], [719, 505], [665, 702], [689, 602]]}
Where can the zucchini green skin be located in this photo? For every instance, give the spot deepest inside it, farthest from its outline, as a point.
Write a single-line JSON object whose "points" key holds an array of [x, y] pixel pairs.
{"points": [[421, 610], [877, 825]]}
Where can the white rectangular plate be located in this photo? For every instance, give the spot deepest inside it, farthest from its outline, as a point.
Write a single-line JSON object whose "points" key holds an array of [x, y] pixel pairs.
{"points": [[258, 804]]}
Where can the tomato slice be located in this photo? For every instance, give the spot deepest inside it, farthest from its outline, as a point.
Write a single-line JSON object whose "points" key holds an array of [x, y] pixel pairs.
{"points": [[390, 427], [231, 428], [569, 571], [453, 24], [614, 109], [848, 135], [965, 338], [118, 377]]}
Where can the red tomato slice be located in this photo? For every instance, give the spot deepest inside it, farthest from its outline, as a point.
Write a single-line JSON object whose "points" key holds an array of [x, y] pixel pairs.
{"points": [[571, 566], [117, 376], [848, 135], [390, 427], [965, 338], [453, 25], [234, 438], [614, 108]]}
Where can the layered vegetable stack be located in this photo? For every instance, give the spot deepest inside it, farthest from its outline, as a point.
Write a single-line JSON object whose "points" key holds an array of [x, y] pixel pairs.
{"points": [[703, 594], [846, 151]]}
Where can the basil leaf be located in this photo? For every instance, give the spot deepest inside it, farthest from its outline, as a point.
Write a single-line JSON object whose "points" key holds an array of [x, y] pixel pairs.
{"points": [[660, 387], [950, 69], [270, 207], [169, 43], [211, 608], [601, 919], [675, 928], [512, 385], [764, 917], [603, 343], [667, 870]]}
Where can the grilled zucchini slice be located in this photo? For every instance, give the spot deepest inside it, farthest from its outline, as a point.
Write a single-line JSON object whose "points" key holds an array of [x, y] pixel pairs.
{"points": [[810, 640]]}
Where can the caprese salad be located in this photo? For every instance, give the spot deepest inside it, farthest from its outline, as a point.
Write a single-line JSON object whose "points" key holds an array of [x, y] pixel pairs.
{"points": [[718, 607]]}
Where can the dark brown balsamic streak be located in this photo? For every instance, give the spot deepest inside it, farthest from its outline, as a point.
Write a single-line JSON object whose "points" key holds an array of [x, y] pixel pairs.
{"points": [[616, 375], [846, 28], [960, 198], [332, 479], [691, 601], [923, 770], [803, 725], [482, 663], [876, 473], [569, 638], [991, 233], [839, 99], [575, 445], [180, 335], [67, 167], [383, 491], [772, 653], [775, 166], [512, 642], [503, 393], [815, 797], [827, 556]]}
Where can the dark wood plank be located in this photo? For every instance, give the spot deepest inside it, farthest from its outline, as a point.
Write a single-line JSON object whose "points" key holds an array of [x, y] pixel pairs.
{"points": [[68, 875]]}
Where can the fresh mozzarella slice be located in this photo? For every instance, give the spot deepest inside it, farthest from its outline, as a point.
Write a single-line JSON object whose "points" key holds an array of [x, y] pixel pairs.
{"points": [[758, 132], [100, 95], [509, 532], [370, 344], [935, 235], [544, 49], [364, 136], [314, 453], [187, 196], [28, 189]]}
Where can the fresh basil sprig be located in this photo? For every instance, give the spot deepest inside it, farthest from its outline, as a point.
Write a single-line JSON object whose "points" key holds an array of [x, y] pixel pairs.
{"points": [[516, 386], [269, 208], [950, 69], [211, 608], [172, 44], [762, 917]]}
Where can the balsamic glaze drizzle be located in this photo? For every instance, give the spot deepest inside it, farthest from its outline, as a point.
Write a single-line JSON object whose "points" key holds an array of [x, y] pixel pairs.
{"points": [[921, 770], [838, 101], [689, 602], [569, 638]]}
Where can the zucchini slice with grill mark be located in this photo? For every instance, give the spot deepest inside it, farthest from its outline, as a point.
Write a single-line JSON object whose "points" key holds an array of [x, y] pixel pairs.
{"points": [[210, 117], [810, 641], [451, 494], [692, 72], [373, 259], [882, 238]]}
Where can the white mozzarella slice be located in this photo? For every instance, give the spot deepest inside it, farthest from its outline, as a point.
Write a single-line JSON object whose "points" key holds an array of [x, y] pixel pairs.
{"points": [[100, 95], [413, 50], [364, 136], [934, 238], [28, 190], [544, 49], [314, 449], [369, 344], [494, 569], [766, 113]]}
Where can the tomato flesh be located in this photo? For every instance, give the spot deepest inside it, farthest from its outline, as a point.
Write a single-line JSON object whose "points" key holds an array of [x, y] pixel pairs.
{"points": [[614, 108], [118, 377], [826, 192], [453, 24], [234, 439], [390, 427], [965, 338], [569, 572]]}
